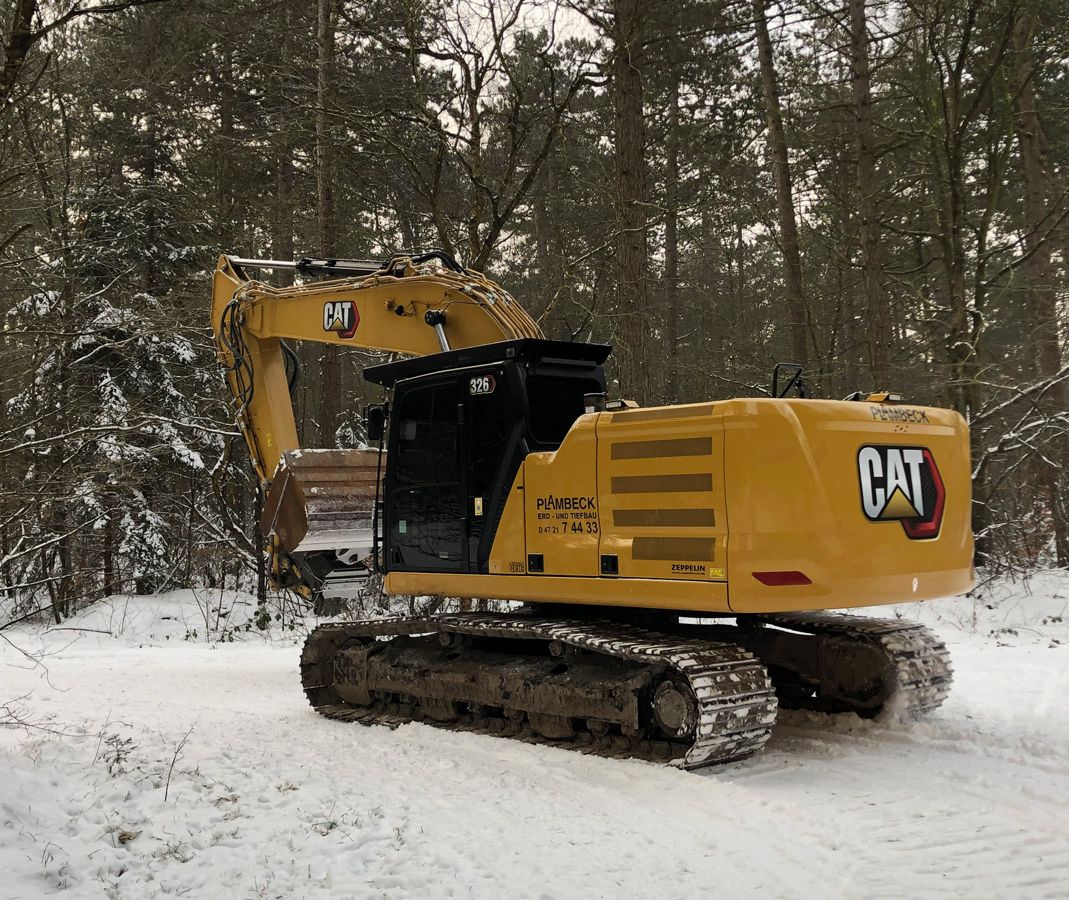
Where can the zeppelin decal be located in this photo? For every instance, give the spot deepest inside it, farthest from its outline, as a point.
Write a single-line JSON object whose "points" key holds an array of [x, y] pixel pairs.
{"points": [[341, 316], [902, 484]]}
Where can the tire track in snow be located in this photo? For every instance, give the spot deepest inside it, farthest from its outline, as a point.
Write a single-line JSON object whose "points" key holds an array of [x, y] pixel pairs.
{"points": [[927, 817]]}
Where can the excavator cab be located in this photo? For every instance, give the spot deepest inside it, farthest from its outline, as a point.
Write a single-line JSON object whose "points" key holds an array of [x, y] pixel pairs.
{"points": [[461, 423]]}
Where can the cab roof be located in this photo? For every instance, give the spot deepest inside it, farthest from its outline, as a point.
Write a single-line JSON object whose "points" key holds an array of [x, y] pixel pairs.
{"points": [[529, 350]]}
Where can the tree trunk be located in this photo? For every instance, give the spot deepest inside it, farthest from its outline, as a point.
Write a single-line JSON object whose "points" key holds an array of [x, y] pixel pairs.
{"points": [[1037, 272], [191, 532], [224, 149], [671, 243], [781, 172], [149, 195], [330, 370], [261, 557], [476, 205], [20, 39], [631, 250], [66, 578], [108, 568], [877, 320], [282, 231]]}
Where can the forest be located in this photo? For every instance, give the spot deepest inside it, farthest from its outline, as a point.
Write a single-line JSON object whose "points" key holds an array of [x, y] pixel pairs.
{"points": [[875, 189]]}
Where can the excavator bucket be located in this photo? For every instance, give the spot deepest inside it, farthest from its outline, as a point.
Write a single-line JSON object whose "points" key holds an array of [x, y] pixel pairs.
{"points": [[323, 500]]}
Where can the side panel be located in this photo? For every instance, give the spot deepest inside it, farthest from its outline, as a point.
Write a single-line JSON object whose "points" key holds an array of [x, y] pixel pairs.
{"points": [[661, 492], [798, 483], [561, 503], [509, 553], [640, 593], [809, 505]]}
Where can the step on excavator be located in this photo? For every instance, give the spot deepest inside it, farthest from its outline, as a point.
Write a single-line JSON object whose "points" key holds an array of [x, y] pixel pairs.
{"points": [[674, 567]]}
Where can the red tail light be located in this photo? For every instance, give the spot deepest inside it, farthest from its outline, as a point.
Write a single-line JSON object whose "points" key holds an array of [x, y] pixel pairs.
{"points": [[782, 579]]}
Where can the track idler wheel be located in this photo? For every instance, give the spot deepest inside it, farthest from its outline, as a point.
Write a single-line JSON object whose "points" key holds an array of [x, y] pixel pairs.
{"points": [[675, 709]]}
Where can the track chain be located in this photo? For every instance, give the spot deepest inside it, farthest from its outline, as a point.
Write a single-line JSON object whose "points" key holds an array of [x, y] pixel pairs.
{"points": [[918, 669], [735, 698]]}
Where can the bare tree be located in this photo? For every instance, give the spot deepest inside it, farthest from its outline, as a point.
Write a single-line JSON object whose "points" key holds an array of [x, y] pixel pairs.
{"points": [[498, 96], [330, 371], [632, 266], [781, 173], [878, 315]]}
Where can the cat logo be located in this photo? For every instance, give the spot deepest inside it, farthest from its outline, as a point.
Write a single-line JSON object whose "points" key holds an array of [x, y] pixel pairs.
{"points": [[341, 316], [902, 484]]}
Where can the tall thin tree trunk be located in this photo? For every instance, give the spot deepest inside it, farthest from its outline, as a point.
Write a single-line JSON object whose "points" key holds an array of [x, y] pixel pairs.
{"points": [[781, 172], [19, 39], [331, 369], [108, 561], [225, 148], [877, 319], [150, 198], [631, 253], [191, 530], [261, 558], [475, 157], [282, 103], [671, 242]]}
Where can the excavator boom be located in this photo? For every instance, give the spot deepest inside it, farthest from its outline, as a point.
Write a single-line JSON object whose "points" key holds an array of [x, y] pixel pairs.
{"points": [[407, 305]]}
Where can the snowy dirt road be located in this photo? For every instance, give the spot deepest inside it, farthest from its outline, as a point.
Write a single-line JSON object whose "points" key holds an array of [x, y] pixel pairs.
{"points": [[267, 800]]}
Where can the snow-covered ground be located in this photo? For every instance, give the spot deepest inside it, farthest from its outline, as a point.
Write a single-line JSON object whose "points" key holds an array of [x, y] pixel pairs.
{"points": [[175, 766]]}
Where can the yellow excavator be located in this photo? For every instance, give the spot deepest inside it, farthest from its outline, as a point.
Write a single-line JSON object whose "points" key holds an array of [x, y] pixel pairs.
{"points": [[673, 566]]}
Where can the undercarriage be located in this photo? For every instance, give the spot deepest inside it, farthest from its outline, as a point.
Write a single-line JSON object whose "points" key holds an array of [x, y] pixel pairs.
{"points": [[660, 687]]}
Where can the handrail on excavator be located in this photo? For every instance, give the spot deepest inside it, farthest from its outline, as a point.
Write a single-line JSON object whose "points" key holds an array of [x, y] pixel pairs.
{"points": [[351, 268]]}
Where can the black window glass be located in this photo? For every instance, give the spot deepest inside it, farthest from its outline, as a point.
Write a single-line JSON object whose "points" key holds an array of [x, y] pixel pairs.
{"points": [[428, 437], [555, 405], [426, 507], [490, 421]]}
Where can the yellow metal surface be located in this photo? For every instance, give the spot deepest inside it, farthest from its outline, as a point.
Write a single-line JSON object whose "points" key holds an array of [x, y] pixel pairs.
{"points": [[508, 556], [661, 492], [637, 592], [561, 503], [794, 504], [694, 500]]}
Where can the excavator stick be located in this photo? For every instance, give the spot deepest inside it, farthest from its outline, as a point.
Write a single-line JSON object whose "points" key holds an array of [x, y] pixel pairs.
{"points": [[323, 500]]}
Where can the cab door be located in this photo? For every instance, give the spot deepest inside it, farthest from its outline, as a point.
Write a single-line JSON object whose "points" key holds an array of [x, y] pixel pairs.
{"points": [[425, 508], [491, 431]]}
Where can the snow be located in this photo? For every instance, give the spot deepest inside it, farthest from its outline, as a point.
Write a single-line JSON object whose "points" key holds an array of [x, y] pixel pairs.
{"points": [[268, 800]]}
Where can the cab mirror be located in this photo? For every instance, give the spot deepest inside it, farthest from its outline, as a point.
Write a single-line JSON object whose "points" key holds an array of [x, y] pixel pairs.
{"points": [[375, 423]]}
